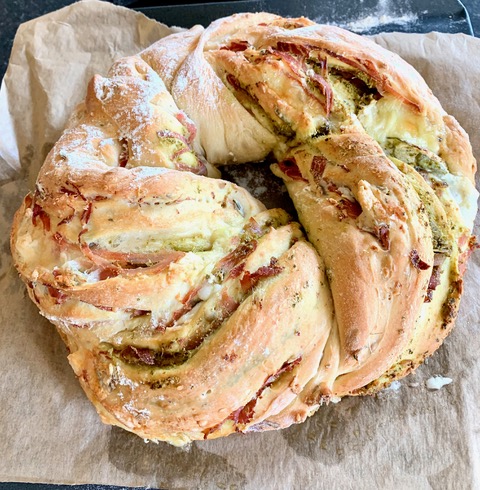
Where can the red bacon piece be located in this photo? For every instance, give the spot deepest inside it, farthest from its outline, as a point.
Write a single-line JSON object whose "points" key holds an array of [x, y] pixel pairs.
{"points": [[28, 200], [435, 278], [244, 414], [124, 154], [112, 264], [153, 269], [299, 68], [92, 256], [146, 356], [237, 46], [189, 301], [67, 220], [237, 270], [325, 89], [60, 296], [87, 212], [201, 168], [59, 238], [290, 169], [107, 273], [295, 49], [250, 280], [433, 283], [233, 81], [350, 208], [253, 228], [188, 124], [382, 232], [104, 308], [417, 262], [74, 193], [227, 307], [39, 213], [235, 257]]}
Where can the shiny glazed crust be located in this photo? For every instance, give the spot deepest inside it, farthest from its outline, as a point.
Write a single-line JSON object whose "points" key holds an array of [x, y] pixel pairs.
{"points": [[189, 310]]}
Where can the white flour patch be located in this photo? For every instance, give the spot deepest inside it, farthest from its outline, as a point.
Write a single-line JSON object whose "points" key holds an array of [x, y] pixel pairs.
{"points": [[394, 386], [372, 21], [383, 15], [437, 382]]}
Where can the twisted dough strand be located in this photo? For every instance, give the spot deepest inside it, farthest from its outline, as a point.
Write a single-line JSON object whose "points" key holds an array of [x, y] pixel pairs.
{"points": [[189, 310]]}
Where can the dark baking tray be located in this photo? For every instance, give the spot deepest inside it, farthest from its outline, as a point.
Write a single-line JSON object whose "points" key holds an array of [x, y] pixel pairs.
{"points": [[50, 486], [431, 15]]}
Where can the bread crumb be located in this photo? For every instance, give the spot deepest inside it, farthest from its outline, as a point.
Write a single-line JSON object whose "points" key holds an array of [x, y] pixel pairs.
{"points": [[437, 382]]}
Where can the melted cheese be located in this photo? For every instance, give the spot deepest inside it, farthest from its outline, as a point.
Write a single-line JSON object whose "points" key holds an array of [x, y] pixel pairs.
{"points": [[463, 193], [392, 118]]}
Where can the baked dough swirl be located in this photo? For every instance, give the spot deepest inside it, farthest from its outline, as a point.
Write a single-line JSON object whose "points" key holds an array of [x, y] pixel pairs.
{"points": [[189, 310]]}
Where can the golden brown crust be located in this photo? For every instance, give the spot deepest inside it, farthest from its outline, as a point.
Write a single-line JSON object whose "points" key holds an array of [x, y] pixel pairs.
{"points": [[366, 238], [189, 310]]}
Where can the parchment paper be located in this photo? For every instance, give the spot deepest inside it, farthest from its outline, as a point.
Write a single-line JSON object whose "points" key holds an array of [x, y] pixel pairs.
{"points": [[407, 437]]}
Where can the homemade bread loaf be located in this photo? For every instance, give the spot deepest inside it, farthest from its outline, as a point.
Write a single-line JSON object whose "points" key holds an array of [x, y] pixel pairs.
{"points": [[189, 310]]}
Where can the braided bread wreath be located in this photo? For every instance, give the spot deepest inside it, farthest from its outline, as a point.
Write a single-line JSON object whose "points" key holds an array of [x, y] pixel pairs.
{"points": [[189, 310]]}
